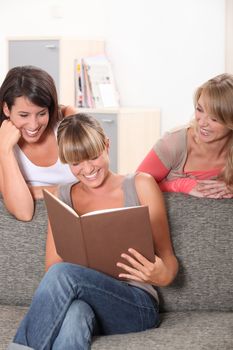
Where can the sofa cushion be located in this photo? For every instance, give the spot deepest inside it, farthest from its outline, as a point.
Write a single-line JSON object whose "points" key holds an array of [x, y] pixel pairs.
{"points": [[178, 331], [22, 252], [202, 234], [10, 317]]}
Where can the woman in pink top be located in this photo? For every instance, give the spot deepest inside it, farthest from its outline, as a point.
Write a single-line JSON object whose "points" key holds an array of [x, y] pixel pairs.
{"points": [[198, 158]]}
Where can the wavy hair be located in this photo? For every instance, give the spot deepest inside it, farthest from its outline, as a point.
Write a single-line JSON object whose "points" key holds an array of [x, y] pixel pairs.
{"points": [[218, 96]]}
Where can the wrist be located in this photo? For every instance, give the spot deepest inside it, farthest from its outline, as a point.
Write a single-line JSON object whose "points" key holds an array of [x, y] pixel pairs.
{"points": [[170, 272], [6, 152]]}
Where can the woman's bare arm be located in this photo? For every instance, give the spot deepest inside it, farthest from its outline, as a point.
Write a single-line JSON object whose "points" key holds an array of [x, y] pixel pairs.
{"points": [[16, 194], [51, 256], [164, 269]]}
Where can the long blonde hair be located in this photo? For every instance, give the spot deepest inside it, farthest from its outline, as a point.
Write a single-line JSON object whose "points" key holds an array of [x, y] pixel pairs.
{"points": [[218, 97], [80, 137]]}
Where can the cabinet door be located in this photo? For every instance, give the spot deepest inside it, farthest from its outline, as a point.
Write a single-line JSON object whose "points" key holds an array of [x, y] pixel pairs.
{"points": [[109, 124], [40, 53]]}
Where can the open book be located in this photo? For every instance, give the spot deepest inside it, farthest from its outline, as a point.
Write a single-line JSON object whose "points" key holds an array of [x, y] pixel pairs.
{"points": [[97, 239]]}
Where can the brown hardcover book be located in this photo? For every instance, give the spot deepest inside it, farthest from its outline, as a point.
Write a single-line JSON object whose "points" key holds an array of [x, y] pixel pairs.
{"points": [[97, 239]]}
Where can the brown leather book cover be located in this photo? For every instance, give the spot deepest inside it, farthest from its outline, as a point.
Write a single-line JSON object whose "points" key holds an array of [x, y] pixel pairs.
{"points": [[98, 239]]}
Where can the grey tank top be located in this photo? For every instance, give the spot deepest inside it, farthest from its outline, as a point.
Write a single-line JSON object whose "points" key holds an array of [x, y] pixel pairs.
{"points": [[128, 187], [130, 199]]}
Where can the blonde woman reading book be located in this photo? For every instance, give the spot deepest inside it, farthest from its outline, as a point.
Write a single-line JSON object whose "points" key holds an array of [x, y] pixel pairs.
{"points": [[29, 115], [73, 302], [198, 159]]}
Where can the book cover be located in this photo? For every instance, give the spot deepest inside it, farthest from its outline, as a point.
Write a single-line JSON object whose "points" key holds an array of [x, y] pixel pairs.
{"points": [[97, 239], [79, 85]]}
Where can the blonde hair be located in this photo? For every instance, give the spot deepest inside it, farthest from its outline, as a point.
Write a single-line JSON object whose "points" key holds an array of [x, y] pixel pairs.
{"points": [[80, 137], [218, 98]]}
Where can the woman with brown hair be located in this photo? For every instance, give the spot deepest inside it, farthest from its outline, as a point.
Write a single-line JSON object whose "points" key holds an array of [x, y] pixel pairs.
{"points": [[29, 116]]}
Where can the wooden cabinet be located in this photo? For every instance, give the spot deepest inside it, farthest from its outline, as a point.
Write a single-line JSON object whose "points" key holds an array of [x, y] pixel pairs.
{"points": [[56, 56], [132, 133]]}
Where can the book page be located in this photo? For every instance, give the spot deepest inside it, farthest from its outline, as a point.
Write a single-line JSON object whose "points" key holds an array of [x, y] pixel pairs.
{"points": [[101, 211]]}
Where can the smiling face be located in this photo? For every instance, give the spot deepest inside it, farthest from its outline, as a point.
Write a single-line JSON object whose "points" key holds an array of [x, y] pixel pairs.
{"points": [[84, 146], [92, 172], [30, 119], [208, 128]]}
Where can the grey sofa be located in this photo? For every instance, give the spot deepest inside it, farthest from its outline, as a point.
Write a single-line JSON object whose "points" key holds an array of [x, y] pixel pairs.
{"points": [[196, 310]]}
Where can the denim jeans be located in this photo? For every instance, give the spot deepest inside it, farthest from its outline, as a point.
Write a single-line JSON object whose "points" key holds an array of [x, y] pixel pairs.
{"points": [[73, 303]]}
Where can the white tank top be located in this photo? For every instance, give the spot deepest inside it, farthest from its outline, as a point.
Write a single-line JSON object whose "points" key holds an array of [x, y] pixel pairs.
{"points": [[35, 175]]}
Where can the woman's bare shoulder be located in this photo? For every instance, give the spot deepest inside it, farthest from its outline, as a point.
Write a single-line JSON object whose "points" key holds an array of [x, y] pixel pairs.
{"points": [[145, 182]]}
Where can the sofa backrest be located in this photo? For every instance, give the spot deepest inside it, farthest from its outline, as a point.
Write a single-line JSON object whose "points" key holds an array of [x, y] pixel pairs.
{"points": [[22, 255], [202, 235]]}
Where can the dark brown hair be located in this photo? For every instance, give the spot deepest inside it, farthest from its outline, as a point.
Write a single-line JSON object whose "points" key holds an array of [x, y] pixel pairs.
{"points": [[33, 83]]}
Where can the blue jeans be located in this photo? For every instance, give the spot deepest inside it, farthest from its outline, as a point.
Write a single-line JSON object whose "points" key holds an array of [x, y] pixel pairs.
{"points": [[73, 303]]}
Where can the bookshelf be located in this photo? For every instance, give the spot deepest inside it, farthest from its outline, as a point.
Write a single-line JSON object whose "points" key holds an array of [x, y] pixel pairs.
{"points": [[56, 55], [95, 83]]}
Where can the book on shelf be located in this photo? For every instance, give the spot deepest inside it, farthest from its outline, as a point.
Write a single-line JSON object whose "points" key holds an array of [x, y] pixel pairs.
{"points": [[97, 239], [78, 77], [98, 82], [88, 95]]}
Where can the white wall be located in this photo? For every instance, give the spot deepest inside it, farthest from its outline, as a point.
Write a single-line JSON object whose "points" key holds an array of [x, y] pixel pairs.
{"points": [[161, 50]]}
